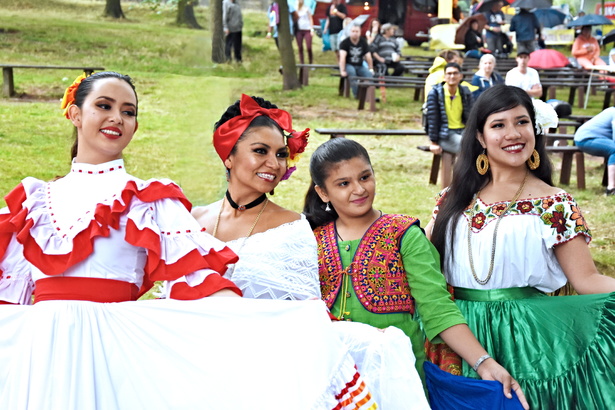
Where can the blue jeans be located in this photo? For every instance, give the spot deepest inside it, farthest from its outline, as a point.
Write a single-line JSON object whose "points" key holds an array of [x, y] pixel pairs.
{"points": [[600, 147], [474, 54], [357, 71]]}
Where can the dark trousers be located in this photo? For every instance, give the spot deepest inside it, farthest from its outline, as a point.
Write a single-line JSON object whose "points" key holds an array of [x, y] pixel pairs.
{"points": [[233, 40]]}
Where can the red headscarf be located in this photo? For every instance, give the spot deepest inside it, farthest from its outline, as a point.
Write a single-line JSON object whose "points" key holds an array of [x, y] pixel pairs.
{"points": [[227, 134]]}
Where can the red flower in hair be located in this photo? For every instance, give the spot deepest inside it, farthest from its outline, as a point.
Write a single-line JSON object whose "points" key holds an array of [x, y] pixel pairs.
{"points": [[297, 142]]}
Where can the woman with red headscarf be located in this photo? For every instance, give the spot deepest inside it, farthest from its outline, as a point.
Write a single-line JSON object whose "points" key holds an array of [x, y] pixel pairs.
{"points": [[258, 147], [277, 249]]}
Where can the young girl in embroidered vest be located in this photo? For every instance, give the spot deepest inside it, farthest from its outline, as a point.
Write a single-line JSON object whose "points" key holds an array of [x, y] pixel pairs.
{"points": [[378, 268], [506, 236]]}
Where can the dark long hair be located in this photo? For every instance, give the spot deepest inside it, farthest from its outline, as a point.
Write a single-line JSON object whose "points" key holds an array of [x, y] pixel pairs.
{"points": [[466, 179], [260, 121], [85, 88], [323, 160]]}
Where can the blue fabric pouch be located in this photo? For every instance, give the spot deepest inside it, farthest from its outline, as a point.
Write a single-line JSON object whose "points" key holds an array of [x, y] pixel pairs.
{"points": [[447, 391]]}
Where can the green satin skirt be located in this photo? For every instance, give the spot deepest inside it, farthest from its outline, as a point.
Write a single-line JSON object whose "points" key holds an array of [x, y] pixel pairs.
{"points": [[561, 349]]}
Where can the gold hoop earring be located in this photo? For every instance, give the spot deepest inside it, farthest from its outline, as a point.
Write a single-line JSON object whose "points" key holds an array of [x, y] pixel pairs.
{"points": [[482, 163], [534, 161]]}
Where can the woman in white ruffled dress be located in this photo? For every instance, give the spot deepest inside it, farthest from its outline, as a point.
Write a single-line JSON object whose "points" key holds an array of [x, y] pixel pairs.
{"points": [[277, 249], [89, 243]]}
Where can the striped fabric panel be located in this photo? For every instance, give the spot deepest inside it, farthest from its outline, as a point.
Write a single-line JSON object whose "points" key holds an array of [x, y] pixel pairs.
{"points": [[355, 395]]}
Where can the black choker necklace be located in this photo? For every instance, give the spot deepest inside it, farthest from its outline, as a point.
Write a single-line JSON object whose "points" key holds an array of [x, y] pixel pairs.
{"points": [[252, 204]]}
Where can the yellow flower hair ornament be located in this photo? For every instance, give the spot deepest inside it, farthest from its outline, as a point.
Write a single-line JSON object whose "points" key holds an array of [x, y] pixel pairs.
{"points": [[69, 94]]}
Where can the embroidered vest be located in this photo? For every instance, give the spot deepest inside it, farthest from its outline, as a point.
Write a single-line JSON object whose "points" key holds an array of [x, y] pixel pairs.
{"points": [[378, 275]]}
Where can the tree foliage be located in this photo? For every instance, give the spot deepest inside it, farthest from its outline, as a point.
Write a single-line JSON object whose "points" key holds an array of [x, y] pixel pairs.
{"points": [[113, 9]]}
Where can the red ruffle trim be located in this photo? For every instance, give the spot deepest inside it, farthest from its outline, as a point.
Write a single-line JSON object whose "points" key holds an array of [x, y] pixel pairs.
{"points": [[157, 269], [107, 217], [211, 285]]}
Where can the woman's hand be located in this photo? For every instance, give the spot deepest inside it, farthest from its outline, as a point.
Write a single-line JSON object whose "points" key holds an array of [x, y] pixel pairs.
{"points": [[492, 370]]}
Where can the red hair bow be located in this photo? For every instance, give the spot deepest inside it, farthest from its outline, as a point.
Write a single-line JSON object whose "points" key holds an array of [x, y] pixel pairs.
{"points": [[227, 134]]}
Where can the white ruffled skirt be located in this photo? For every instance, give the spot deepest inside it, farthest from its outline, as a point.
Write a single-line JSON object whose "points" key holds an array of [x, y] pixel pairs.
{"points": [[214, 353]]}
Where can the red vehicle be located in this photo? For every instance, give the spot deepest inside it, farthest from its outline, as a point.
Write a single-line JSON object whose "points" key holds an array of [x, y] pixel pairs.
{"points": [[414, 17]]}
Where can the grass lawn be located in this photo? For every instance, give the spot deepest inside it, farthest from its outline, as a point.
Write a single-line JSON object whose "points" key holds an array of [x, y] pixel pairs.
{"points": [[182, 93]]}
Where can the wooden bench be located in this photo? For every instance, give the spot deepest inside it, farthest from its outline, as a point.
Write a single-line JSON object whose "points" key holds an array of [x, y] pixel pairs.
{"points": [[446, 160], [366, 88], [557, 143], [8, 85], [304, 71]]}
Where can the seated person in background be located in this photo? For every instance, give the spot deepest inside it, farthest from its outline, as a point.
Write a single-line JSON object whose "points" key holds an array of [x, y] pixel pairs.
{"points": [[525, 77], [353, 51], [386, 51], [448, 107], [486, 76], [373, 32], [436, 71], [586, 49], [597, 137], [474, 41]]}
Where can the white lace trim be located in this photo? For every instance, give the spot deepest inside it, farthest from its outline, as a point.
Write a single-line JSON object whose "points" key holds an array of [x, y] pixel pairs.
{"points": [[281, 263]]}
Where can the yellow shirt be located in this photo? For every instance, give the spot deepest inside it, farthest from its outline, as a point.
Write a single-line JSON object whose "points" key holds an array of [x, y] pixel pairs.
{"points": [[454, 108]]}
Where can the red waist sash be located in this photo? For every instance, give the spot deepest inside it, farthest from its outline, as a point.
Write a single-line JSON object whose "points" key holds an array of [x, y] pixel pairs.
{"points": [[91, 289]]}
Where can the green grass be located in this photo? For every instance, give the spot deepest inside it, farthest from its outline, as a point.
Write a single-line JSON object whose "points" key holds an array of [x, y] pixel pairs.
{"points": [[182, 93]]}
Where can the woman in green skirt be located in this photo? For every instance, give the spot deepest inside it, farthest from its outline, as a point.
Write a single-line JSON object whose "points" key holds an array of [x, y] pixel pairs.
{"points": [[507, 237]]}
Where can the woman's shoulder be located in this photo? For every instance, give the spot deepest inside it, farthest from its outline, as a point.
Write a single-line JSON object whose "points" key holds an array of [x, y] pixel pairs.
{"points": [[277, 215], [205, 213], [540, 189]]}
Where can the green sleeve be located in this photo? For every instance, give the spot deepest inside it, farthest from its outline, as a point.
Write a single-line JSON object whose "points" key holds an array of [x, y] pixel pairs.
{"points": [[434, 304]]}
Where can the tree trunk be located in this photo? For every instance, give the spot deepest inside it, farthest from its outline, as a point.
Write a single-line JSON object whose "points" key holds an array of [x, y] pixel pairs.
{"points": [[217, 33], [289, 74], [185, 14], [113, 8]]}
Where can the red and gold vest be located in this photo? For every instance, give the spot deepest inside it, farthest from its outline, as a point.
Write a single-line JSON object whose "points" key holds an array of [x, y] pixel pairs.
{"points": [[378, 275]]}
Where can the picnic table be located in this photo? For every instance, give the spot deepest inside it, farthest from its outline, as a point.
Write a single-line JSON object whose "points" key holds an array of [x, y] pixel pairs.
{"points": [[8, 85], [593, 68]]}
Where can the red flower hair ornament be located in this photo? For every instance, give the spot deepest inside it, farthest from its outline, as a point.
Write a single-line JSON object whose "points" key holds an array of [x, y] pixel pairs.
{"points": [[69, 94], [227, 134]]}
